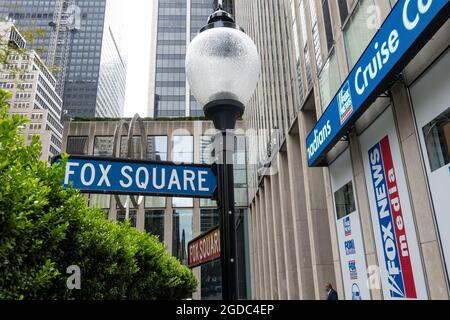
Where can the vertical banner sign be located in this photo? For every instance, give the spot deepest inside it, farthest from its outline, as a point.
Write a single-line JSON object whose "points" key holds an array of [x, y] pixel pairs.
{"points": [[398, 252], [348, 227], [389, 210]]}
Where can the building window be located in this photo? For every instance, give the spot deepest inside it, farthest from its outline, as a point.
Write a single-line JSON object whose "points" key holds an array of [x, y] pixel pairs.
{"points": [[136, 147], [358, 32], [211, 275], [103, 146], [77, 145], [344, 200], [328, 24], [154, 223], [182, 233], [182, 202], [102, 201], [207, 150], [437, 140], [343, 10], [329, 80], [155, 202], [315, 33], [157, 148], [240, 171], [121, 215], [183, 149]]}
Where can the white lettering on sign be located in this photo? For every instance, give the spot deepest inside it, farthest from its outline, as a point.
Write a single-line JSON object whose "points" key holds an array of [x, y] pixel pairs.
{"points": [[142, 182], [129, 177], [189, 177], [162, 185], [125, 174], [202, 180], [382, 56], [319, 139], [104, 178], [422, 6], [91, 168], [174, 180], [69, 172]]}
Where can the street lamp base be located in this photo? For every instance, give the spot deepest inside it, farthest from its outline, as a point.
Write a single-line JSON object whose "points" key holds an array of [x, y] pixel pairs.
{"points": [[224, 113]]}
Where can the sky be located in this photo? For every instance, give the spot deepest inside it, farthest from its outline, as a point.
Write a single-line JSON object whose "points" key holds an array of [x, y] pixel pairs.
{"points": [[137, 16]]}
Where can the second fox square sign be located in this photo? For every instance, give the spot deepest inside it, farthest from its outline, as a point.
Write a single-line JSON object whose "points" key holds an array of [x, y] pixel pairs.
{"points": [[121, 176]]}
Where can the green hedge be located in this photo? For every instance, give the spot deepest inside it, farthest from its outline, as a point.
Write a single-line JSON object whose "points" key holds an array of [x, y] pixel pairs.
{"points": [[44, 229]]}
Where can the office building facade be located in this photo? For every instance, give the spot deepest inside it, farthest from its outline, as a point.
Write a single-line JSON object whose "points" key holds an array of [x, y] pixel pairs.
{"points": [[33, 92], [365, 210], [175, 220], [84, 71], [175, 24]]}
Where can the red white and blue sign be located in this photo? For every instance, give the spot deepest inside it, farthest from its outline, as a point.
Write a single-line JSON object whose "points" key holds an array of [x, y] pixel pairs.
{"points": [[397, 258], [404, 32]]}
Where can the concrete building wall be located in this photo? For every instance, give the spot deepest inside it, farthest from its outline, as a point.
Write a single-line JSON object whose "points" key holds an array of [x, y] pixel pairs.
{"points": [[296, 254]]}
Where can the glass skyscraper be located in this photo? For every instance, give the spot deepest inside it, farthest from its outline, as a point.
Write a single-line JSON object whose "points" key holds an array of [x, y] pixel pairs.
{"points": [[176, 24], [84, 90]]}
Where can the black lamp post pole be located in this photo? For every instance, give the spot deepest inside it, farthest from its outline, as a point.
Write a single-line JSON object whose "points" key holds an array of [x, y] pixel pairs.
{"points": [[227, 218], [224, 114]]}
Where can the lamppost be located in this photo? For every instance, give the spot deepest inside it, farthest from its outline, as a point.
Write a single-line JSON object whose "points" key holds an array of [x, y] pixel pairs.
{"points": [[223, 67]]}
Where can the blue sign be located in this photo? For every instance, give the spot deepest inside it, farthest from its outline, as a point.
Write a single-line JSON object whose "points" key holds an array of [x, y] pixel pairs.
{"points": [[350, 248], [403, 33], [118, 176], [347, 226], [352, 270]]}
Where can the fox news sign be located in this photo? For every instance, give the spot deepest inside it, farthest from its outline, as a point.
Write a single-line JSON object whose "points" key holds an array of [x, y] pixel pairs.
{"points": [[403, 33]]}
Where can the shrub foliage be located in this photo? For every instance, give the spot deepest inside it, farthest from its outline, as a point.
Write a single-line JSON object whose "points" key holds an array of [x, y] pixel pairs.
{"points": [[44, 229]]}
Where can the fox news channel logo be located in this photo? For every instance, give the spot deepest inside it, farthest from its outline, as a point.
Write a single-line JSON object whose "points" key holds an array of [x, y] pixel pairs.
{"points": [[352, 270], [350, 247], [347, 226], [345, 102]]}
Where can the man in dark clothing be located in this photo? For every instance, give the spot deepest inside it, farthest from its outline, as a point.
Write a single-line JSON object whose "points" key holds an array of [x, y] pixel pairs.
{"points": [[331, 293]]}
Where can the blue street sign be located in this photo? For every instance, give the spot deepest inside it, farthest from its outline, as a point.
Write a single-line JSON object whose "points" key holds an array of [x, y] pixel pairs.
{"points": [[404, 32], [119, 176]]}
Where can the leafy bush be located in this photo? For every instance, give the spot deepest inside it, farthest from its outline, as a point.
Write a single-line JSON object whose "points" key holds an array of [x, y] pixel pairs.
{"points": [[44, 229]]}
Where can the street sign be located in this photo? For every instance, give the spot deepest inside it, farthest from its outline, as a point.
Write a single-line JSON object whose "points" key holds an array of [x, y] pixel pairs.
{"points": [[205, 248], [136, 177]]}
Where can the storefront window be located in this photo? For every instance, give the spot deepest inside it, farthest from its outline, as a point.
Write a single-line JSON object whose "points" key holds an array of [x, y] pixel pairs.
{"points": [[182, 233], [77, 145], [157, 148], [358, 31], [345, 201], [154, 223], [103, 146], [437, 140]]}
